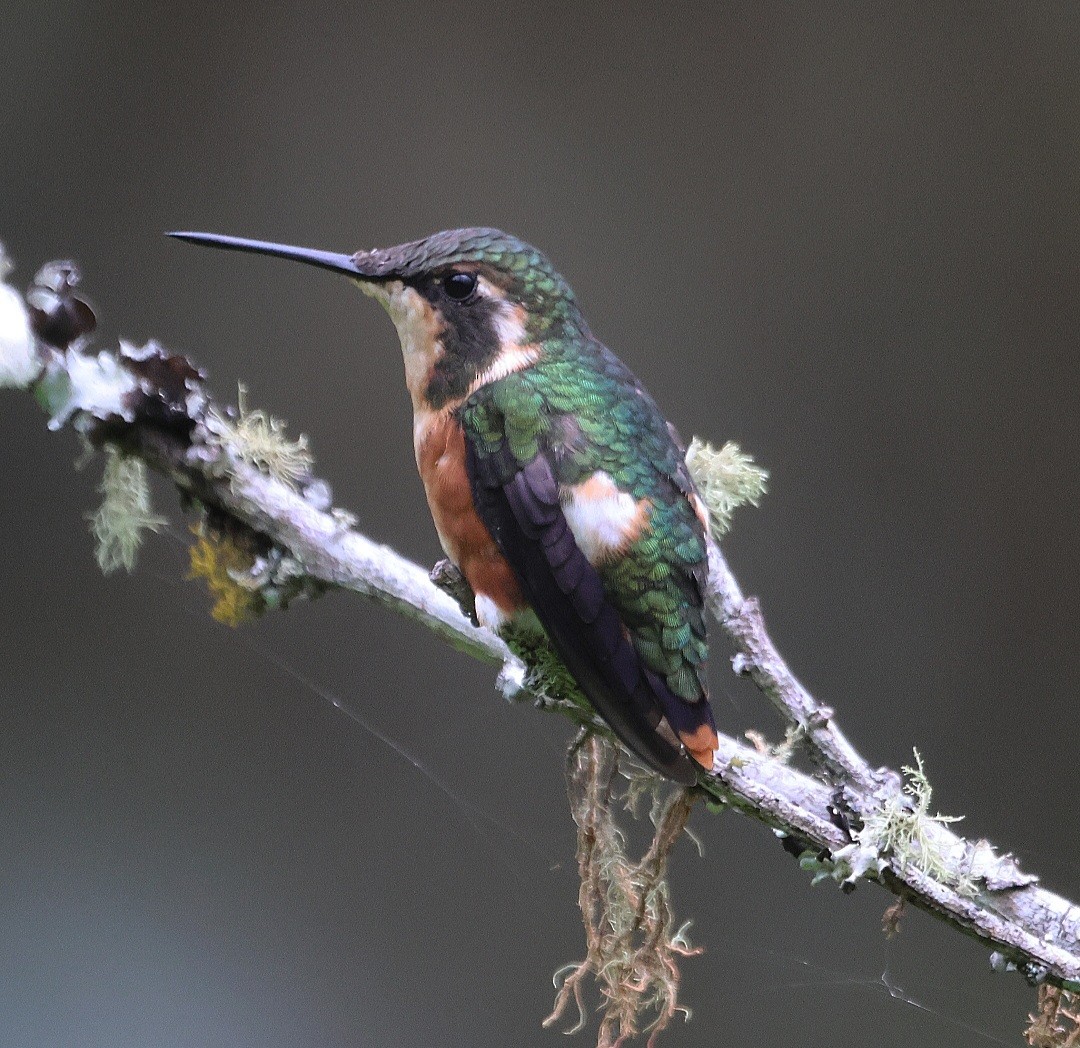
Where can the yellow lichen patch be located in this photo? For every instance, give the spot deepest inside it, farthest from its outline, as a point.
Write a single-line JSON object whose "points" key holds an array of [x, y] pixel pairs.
{"points": [[218, 559]]}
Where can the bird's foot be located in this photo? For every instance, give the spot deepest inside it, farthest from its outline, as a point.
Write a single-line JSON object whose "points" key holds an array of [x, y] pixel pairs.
{"points": [[448, 578]]}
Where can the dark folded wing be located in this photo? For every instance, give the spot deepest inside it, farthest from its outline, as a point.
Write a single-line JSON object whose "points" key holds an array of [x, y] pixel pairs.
{"points": [[519, 504]]}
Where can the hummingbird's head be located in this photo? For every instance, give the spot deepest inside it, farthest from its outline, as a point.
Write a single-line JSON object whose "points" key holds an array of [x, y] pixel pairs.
{"points": [[470, 305]]}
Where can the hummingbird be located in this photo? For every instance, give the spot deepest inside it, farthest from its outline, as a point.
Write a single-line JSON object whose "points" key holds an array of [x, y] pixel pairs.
{"points": [[555, 483]]}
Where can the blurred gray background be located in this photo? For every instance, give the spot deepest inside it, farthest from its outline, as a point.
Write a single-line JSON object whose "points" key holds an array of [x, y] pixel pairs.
{"points": [[845, 236]]}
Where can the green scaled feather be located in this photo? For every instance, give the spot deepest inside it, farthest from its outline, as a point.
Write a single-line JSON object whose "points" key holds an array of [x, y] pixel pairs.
{"points": [[584, 410]]}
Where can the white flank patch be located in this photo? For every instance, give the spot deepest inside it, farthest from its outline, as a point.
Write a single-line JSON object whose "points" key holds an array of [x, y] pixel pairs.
{"points": [[19, 364], [488, 614], [602, 518]]}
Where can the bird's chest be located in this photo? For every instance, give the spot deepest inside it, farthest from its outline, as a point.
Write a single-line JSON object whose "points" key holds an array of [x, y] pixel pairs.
{"points": [[439, 443]]}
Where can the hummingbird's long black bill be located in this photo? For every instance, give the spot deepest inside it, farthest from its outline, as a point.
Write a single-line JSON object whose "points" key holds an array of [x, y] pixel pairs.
{"points": [[323, 259]]}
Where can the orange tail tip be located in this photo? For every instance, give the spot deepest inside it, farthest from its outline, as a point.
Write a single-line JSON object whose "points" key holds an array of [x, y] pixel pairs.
{"points": [[701, 744]]}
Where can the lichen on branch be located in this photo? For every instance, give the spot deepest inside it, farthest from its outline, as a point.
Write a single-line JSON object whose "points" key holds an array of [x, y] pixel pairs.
{"points": [[1055, 1023], [125, 514], [633, 943], [905, 829], [257, 438], [726, 479]]}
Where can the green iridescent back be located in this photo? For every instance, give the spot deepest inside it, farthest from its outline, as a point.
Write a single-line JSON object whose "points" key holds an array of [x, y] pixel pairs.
{"points": [[582, 408]]}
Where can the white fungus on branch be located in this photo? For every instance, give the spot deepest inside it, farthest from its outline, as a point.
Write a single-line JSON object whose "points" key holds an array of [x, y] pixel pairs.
{"points": [[19, 362]]}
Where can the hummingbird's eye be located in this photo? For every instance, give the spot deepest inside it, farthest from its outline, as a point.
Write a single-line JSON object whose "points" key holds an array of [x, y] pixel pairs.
{"points": [[459, 286]]}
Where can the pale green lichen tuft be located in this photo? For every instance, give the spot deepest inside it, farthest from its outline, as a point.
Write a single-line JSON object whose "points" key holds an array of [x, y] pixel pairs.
{"points": [[782, 751], [125, 512], [904, 828], [257, 438], [726, 479]]}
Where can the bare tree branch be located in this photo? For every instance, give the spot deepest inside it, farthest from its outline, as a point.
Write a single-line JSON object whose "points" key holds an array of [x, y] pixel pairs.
{"points": [[847, 822]]}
